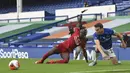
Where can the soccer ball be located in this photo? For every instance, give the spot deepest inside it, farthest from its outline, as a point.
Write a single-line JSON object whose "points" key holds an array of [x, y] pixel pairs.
{"points": [[14, 65]]}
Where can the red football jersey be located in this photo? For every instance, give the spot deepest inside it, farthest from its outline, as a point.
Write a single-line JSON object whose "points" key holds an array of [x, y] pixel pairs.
{"points": [[72, 42]]}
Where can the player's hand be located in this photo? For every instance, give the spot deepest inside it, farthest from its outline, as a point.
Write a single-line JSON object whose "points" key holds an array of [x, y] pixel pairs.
{"points": [[123, 45], [106, 57]]}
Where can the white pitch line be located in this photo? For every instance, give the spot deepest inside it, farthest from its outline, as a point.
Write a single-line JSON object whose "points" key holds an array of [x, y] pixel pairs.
{"points": [[97, 71]]}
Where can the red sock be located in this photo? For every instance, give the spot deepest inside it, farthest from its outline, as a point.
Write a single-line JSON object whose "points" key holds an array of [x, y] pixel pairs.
{"points": [[44, 57], [62, 61], [51, 62]]}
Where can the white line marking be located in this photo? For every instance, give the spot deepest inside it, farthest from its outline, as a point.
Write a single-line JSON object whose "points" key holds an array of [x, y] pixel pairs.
{"points": [[98, 71]]}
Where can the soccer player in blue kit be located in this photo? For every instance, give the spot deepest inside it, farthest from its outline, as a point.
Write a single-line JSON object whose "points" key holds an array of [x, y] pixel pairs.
{"points": [[103, 43]]}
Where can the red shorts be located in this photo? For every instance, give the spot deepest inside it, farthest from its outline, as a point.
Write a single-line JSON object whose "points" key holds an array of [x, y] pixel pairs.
{"points": [[62, 48]]}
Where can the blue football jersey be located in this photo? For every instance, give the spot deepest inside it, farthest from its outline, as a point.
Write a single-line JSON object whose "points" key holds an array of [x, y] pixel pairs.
{"points": [[105, 38]]}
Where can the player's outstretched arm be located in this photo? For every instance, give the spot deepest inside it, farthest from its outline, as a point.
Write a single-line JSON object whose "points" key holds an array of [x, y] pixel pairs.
{"points": [[105, 57], [79, 19], [123, 45], [85, 54]]}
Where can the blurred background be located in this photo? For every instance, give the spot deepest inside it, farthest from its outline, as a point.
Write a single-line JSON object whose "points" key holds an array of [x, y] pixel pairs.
{"points": [[37, 25]]}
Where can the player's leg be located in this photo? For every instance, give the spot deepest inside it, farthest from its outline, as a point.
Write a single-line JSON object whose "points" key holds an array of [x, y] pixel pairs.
{"points": [[77, 52], [95, 54], [49, 53], [65, 58], [112, 56]]}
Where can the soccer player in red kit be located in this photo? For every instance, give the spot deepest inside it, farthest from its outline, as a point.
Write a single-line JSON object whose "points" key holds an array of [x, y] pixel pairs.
{"points": [[84, 41], [67, 47]]}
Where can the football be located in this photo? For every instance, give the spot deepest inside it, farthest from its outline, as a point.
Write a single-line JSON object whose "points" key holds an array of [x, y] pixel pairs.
{"points": [[14, 65]]}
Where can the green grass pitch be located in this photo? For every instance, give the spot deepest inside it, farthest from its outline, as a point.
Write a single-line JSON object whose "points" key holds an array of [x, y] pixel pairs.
{"points": [[74, 66]]}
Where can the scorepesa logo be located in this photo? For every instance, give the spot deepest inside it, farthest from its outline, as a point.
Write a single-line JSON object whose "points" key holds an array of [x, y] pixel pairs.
{"points": [[14, 53]]}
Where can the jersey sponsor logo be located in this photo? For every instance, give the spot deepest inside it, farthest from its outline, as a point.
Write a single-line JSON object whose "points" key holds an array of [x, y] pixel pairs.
{"points": [[14, 53]]}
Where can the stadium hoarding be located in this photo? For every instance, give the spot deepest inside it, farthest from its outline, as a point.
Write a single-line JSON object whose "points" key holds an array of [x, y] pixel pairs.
{"points": [[26, 53], [70, 12]]}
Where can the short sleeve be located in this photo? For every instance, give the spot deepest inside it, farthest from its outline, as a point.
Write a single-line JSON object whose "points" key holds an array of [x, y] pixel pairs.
{"points": [[95, 36], [112, 32]]}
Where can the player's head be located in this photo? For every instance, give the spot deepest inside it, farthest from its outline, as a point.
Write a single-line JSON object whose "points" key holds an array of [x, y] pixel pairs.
{"points": [[99, 28], [83, 33]]}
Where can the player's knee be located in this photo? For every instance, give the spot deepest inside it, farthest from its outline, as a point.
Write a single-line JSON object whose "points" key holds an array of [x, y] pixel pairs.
{"points": [[66, 61]]}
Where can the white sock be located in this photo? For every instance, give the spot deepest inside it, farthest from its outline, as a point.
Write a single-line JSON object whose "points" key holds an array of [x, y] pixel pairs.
{"points": [[94, 58]]}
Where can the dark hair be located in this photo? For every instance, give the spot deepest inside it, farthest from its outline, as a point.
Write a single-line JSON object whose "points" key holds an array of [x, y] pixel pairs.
{"points": [[83, 32], [99, 25], [71, 31]]}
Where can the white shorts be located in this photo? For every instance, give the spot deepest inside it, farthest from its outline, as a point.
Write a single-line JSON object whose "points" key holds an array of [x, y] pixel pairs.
{"points": [[110, 52]]}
